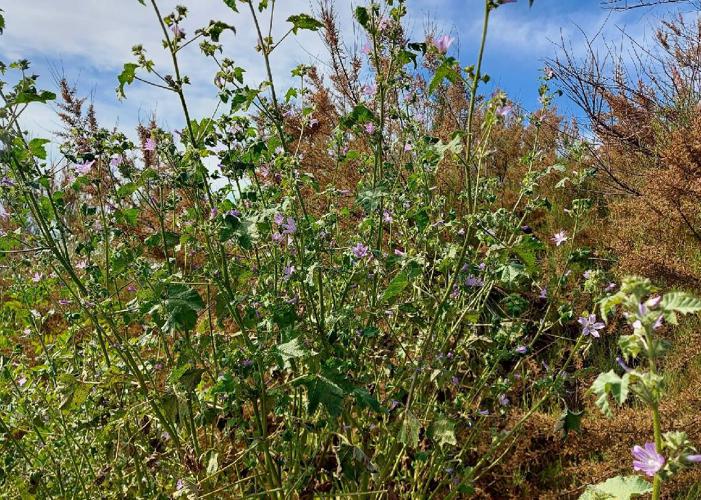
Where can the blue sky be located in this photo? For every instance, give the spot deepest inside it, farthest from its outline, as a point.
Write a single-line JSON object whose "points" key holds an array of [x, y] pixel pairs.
{"points": [[89, 40]]}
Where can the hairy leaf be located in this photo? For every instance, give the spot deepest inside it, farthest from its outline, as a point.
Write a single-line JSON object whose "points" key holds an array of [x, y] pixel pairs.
{"points": [[617, 488]]}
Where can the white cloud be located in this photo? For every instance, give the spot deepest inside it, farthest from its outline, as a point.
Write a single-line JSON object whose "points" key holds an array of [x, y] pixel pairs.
{"points": [[89, 40]]}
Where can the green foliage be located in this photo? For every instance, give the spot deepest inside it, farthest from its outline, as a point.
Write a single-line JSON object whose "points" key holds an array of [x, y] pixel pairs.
{"points": [[126, 77], [618, 488], [610, 383], [181, 307], [304, 22]]}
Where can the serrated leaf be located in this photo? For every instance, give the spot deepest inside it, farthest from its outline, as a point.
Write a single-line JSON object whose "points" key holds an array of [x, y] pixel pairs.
{"points": [[442, 431], [362, 16], [181, 307], [395, 287], [409, 431], [304, 22], [360, 115], [36, 146], [446, 71], [231, 4], [610, 383], [321, 390], [186, 376], [569, 421], [618, 488], [291, 350], [126, 77], [680, 302]]}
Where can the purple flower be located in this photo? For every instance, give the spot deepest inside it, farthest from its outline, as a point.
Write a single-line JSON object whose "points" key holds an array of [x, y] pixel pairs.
{"points": [[590, 326], [387, 217], [150, 145], [658, 323], [587, 274], [288, 272], [647, 459], [279, 219], [443, 43], [694, 459], [247, 363], [543, 293], [7, 182], [213, 212], [623, 364], [522, 349], [84, 168], [360, 251], [473, 281], [652, 302], [484, 413], [289, 227], [503, 400], [399, 253], [366, 49], [178, 33], [116, 161], [505, 110], [559, 238], [455, 293], [527, 229], [277, 237], [369, 128], [408, 147], [37, 277], [455, 380], [64, 302], [234, 213]]}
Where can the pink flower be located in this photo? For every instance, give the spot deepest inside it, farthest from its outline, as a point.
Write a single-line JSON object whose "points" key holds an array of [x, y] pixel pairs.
{"points": [[408, 147], [177, 32], [559, 238], [150, 145], [370, 128], [116, 161], [647, 459], [84, 168], [37, 277], [443, 43], [366, 49], [369, 90], [505, 110]]}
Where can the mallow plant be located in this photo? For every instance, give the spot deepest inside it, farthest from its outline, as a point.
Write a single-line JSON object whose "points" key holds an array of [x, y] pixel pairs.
{"points": [[202, 312], [640, 376]]}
